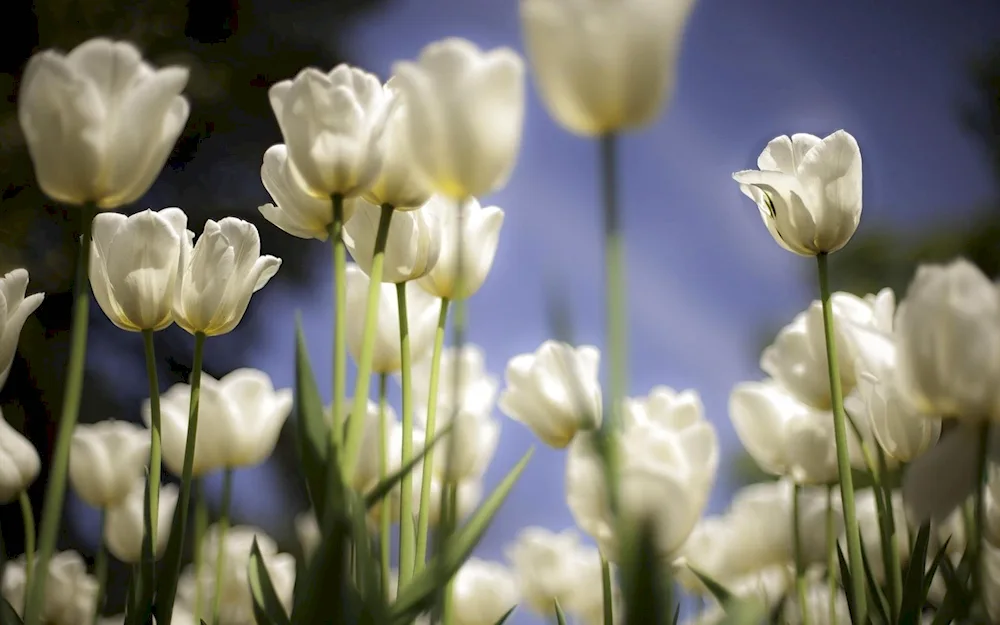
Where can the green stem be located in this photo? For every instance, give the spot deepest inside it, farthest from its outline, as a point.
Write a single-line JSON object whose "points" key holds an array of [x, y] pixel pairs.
{"points": [[832, 562], [607, 592], [356, 424], [406, 547], [854, 560], [155, 450], [336, 232], [979, 511], [450, 511], [893, 564], [29, 533], [56, 491], [200, 528], [423, 518], [800, 566], [101, 569], [220, 554], [385, 519]]}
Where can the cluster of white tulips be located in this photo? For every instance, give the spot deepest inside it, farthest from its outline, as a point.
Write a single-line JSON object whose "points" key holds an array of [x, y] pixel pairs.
{"points": [[389, 174]]}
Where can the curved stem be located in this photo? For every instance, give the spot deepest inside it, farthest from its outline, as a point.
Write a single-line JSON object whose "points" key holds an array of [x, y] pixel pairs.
{"points": [[101, 569], [29, 534], [356, 425], [155, 450], [854, 560], [220, 554], [800, 567], [385, 519], [336, 232], [423, 518], [607, 591], [56, 491], [406, 547]]}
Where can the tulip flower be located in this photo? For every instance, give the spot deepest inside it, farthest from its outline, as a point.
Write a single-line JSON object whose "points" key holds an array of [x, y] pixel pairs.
{"points": [[584, 603], [241, 418], [105, 460], [477, 389], [124, 523], [544, 563], [411, 250], [217, 276], [332, 125], [482, 592], [14, 310], [808, 191], [604, 66], [475, 441], [70, 592], [19, 462], [294, 210], [100, 122], [554, 391], [465, 110], [367, 473], [480, 232]]}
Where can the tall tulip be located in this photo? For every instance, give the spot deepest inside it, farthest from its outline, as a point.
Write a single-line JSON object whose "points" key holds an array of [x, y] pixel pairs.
{"points": [[15, 306], [411, 250], [19, 462], [105, 460]]}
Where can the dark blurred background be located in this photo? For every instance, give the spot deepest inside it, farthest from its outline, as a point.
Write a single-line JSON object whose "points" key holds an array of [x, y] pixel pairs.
{"points": [[918, 83]]}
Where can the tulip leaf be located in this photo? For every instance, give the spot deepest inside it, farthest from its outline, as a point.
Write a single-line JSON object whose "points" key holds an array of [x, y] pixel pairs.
{"points": [[560, 617], [7, 614], [267, 608], [914, 588], [647, 592], [418, 595], [721, 594], [366, 566], [935, 564], [312, 430], [875, 592], [378, 492], [166, 586], [506, 615], [743, 612]]}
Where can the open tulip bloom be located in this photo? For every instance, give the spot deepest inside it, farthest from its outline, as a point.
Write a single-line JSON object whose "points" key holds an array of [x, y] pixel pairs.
{"points": [[390, 172]]}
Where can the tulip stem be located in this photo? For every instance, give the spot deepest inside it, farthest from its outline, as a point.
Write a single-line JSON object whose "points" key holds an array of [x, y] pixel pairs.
{"points": [[887, 525], [220, 554], [800, 567], [385, 519], [101, 568], [607, 592], [832, 562], [73, 389], [979, 511], [854, 560], [200, 528], [336, 233], [155, 451], [29, 533], [406, 551], [614, 258], [449, 520], [423, 518], [356, 424]]}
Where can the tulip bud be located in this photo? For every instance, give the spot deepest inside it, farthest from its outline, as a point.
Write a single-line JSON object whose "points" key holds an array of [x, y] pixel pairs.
{"points": [[477, 389], [412, 247], [105, 460], [367, 473], [14, 310], [133, 266], [218, 275], [902, 432], [554, 391], [481, 233], [295, 210], [544, 564], [124, 525], [70, 592], [465, 110], [19, 462], [475, 441], [482, 592], [100, 122], [604, 66], [808, 191]]}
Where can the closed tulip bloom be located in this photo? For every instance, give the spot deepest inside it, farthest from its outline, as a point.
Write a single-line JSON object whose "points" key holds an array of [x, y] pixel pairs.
{"points": [[19, 462], [400, 182], [482, 592], [240, 418], [124, 523], [295, 210], [584, 603], [332, 124], [217, 276], [948, 339], [604, 66], [411, 250], [14, 311], [367, 473], [808, 191], [555, 391], [481, 233], [70, 592], [422, 312], [100, 122], [465, 109], [477, 389], [475, 441], [544, 563], [133, 266], [105, 459]]}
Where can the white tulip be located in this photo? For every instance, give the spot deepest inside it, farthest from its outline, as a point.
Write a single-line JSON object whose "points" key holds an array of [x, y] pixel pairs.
{"points": [[477, 389], [422, 315], [367, 473], [124, 525], [480, 232], [554, 391], [133, 266], [19, 462], [808, 191], [482, 592], [240, 418], [768, 587], [333, 124], [948, 339], [70, 592], [218, 275], [294, 210], [465, 111], [105, 459], [818, 606], [586, 599], [604, 66], [412, 247], [465, 452], [14, 310], [544, 563], [100, 122]]}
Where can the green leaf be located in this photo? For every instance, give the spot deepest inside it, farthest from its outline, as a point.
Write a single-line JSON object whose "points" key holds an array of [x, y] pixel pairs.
{"points": [[370, 585], [743, 612], [878, 598], [503, 619], [312, 430], [935, 564], [7, 614], [560, 617], [267, 608], [378, 492], [914, 588], [718, 591], [845, 580], [417, 596]]}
